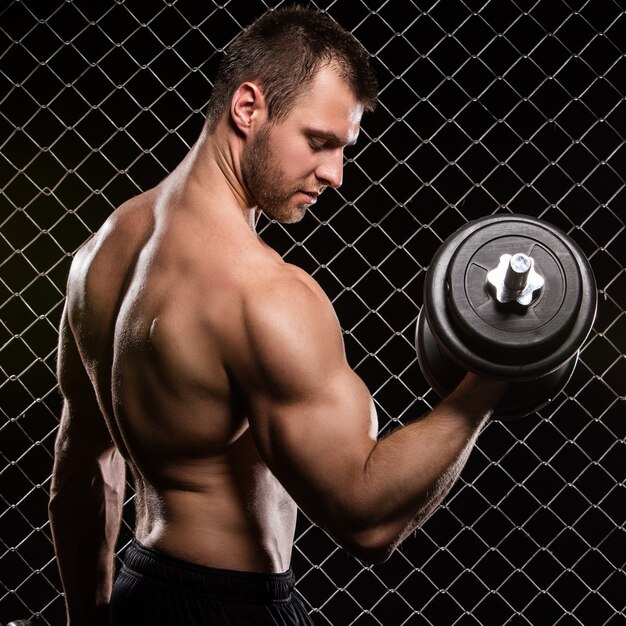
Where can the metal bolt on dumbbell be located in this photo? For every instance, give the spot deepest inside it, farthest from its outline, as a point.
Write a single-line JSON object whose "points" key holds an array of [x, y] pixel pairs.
{"points": [[515, 279]]}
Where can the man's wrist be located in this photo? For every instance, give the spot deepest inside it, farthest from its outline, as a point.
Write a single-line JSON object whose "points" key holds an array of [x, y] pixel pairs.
{"points": [[477, 396]]}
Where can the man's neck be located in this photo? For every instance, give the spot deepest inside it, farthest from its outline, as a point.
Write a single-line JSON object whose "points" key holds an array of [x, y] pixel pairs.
{"points": [[212, 173]]}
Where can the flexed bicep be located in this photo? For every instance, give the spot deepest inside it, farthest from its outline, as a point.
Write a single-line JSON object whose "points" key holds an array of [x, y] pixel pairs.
{"points": [[312, 417]]}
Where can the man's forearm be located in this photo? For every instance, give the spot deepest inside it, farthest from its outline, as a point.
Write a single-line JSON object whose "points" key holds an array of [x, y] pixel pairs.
{"points": [[409, 472], [475, 398], [85, 513]]}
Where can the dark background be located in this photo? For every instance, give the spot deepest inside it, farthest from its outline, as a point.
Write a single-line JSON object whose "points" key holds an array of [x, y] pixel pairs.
{"points": [[486, 107]]}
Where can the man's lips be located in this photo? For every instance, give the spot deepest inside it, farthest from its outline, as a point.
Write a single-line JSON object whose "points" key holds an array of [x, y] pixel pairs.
{"points": [[311, 196]]}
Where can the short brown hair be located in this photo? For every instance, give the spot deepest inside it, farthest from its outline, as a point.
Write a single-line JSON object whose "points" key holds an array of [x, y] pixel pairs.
{"points": [[282, 51]]}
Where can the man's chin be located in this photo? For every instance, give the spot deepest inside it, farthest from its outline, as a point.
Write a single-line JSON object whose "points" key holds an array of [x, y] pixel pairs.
{"points": [[291, 215], [295, 217]]}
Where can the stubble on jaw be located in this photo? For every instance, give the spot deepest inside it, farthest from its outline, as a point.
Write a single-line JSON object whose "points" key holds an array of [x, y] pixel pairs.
{"points": [[265, 181]]}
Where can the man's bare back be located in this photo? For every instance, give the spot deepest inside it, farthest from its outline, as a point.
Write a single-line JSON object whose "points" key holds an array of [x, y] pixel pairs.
{"points": [[161, 299]]}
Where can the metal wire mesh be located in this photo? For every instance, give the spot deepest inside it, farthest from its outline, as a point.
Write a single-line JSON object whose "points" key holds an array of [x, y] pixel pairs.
{"points": [[486, 106]]}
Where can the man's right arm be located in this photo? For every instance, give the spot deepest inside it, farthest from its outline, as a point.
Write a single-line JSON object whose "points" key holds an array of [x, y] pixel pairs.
{"points": [[86, 492], [315, 425]]}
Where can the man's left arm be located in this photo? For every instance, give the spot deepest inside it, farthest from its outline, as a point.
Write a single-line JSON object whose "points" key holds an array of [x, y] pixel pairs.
{"points": [[87, 492]]}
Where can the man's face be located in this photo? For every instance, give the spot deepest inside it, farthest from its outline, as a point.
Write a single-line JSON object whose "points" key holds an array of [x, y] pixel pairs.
{"points": [[287, 164]]}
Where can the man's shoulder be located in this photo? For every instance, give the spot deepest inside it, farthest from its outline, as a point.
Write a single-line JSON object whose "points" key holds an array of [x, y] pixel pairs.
{"points": [[100, 264], [287, 315], [127, 222], [285, 290]]}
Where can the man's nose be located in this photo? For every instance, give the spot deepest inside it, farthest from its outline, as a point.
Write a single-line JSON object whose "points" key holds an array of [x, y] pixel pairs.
{"points": [[330, 171]]}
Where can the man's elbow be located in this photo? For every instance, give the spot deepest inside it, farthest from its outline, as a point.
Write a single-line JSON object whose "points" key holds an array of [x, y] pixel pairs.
{"points": [[373, 542], [371, 546]]}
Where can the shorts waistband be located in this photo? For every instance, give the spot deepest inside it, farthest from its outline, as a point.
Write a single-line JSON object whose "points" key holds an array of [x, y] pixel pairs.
{"points": [[226, 584]]}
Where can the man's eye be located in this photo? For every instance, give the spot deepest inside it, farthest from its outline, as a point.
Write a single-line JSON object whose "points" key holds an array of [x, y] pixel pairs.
{"points": [[316, 145]]}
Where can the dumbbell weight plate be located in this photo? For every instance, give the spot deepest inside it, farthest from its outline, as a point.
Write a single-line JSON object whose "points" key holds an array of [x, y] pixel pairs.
{"points": [[463, 327], [444, 374]]}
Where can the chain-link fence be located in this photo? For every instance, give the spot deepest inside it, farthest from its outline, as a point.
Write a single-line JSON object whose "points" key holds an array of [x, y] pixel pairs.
{"points": [[486, 106]]}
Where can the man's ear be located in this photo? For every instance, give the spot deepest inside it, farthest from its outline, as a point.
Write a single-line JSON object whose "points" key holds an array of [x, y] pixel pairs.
{"points": [[247, 107]]}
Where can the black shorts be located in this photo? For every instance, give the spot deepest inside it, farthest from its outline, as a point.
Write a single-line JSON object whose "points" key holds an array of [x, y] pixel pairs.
{"points": [[155, 589]]}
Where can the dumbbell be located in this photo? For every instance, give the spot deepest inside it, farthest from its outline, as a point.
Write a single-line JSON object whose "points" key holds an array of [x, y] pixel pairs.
{"points": [[509, 297]]}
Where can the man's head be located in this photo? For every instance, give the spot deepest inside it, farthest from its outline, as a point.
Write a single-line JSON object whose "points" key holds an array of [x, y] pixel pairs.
{"points": [[286, 164], [295, 85], [282, 52]]}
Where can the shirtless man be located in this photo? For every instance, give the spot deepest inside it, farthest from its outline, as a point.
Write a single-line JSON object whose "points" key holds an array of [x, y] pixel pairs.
{"points": [[192, 354]]}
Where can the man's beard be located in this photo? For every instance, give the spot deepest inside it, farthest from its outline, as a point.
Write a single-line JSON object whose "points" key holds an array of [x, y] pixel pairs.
{"points": [[265, 181]]}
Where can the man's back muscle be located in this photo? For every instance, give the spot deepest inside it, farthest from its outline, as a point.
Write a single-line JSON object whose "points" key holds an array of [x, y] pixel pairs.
{"points": [[154, 303]]}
